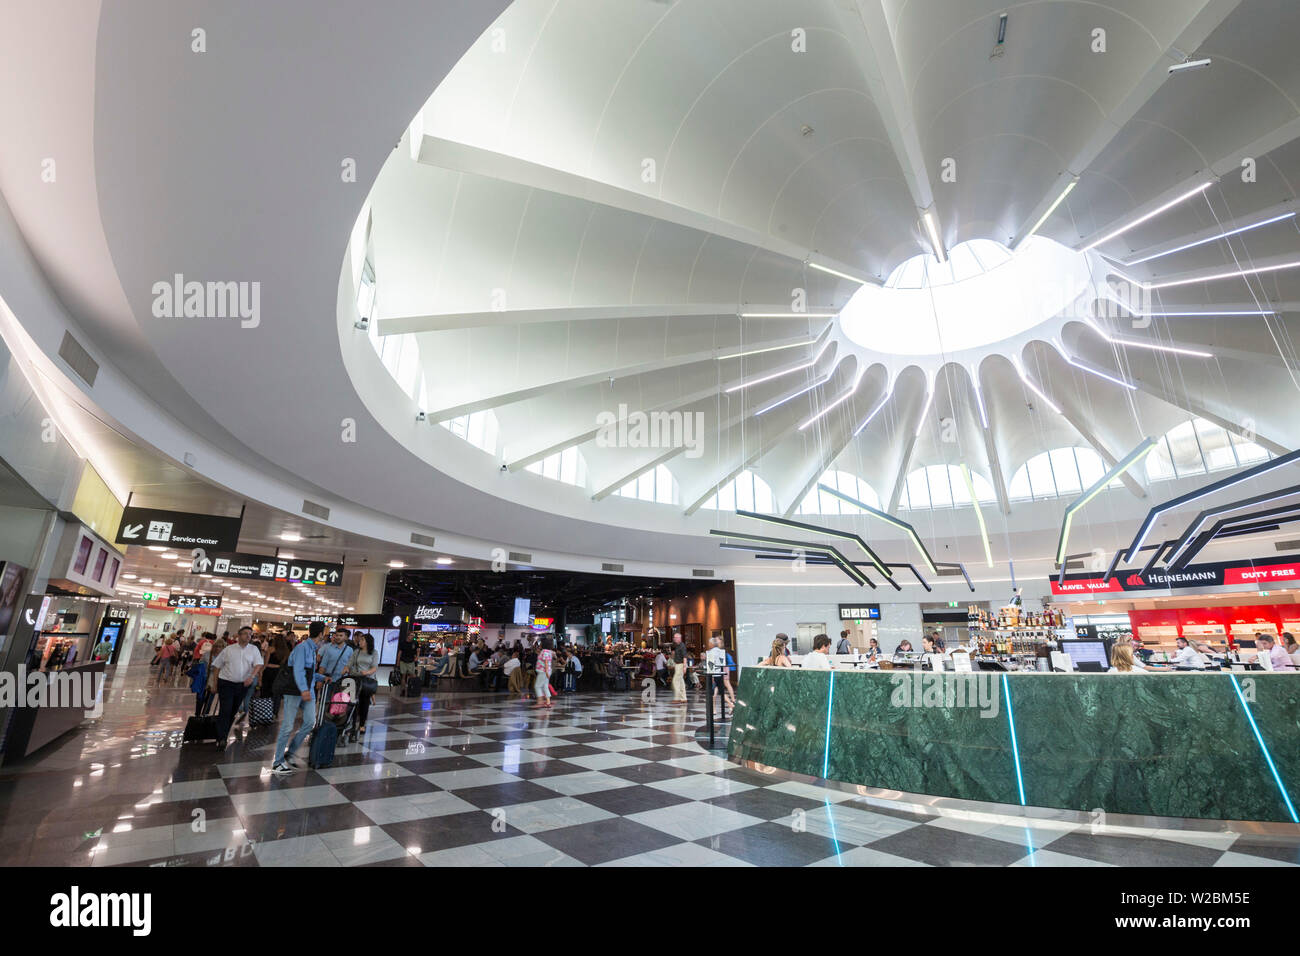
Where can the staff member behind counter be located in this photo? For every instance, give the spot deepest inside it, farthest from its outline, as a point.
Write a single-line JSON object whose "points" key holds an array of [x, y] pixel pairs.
{"points": [[1186, 656]]}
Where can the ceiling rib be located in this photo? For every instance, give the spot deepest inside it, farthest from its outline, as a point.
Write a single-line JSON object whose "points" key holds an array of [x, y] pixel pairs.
{"points": [[1195, 408], [401, 324], [1229, 162], [1201, 26], [461, 157], [523, 394]]}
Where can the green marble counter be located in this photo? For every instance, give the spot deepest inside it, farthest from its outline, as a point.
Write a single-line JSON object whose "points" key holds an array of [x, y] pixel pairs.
{"points": [[1180, 745]]}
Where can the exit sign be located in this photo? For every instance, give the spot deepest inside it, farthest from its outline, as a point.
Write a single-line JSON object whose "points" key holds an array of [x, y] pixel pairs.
{"points": [[952, 603], [147, 595]]}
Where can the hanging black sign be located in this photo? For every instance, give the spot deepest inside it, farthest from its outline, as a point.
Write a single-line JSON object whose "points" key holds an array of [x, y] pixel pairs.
{"points": [[231, 564], [178, 529]]}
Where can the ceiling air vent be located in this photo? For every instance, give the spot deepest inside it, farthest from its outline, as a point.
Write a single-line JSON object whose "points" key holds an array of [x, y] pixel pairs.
{"points": [[701, 573], [948, 572], [611, 567], [78, 359], [520, 557], [315, 510], [424, 539], [1291, 545]]}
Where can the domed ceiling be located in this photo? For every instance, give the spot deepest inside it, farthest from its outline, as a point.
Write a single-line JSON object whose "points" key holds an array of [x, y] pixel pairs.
{"points": [[843, 236]]}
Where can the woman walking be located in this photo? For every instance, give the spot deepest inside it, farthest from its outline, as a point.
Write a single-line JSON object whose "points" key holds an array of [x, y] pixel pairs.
{"points": [[542, 685]]}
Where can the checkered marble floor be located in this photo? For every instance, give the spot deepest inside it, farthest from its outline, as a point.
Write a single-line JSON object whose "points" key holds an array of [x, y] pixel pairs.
{"points": [[600, 780]]}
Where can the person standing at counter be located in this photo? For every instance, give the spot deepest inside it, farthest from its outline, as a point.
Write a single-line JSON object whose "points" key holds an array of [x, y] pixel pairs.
{"points": [[1185, 656], [820, 658], [844, 647], [1275, 653], [776, 658]]}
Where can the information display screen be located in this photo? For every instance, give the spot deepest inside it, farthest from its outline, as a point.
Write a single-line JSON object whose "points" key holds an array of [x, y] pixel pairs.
{"points": [[1090, 651], [523, 611]]}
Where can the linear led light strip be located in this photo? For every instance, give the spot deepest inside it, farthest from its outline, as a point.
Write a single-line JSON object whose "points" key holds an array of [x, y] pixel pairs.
{"points": [[1128, 461], [842, 562], [1050, 209], [1185, 539], [1208, 490], [875, 411], [979, 400], [1226, 275], [788, 315], [773, 348], [843, 398], [979, 515], [1152, 214], [1227, 527], [1214, 313], [925, 412], [933, 228], [1133, 343], [803, 391], [1032, 387], [888, 519], [1222, 235], [796, 368], [842, 275], [818, 529], [1088, 368]]}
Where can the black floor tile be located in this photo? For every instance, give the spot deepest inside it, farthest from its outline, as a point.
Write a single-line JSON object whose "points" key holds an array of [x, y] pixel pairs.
{"points": [[770, 844], [938, 846], [1133, 851], [764, 804], [606, 840], [648, 772], [626, 801], [384, 787], [505, 794], [449, 830], [266, 827]]}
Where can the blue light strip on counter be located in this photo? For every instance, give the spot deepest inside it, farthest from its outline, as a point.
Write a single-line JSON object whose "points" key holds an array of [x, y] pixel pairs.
{"points": [[1263, 748], [1015, 749], [826, 754]]}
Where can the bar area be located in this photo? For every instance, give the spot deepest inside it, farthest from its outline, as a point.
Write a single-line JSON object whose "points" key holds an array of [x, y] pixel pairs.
{"points": [[1158, 745]]}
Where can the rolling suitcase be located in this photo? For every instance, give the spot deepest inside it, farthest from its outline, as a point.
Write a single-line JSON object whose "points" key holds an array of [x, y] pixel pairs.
{"points": [[413, 687], [202, 728], [261, 711], [324, 736]]}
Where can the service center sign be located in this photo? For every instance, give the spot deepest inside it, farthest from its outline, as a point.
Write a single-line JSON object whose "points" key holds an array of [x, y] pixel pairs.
{"points": [[178, 529], [260, 568], [1258, 573]]}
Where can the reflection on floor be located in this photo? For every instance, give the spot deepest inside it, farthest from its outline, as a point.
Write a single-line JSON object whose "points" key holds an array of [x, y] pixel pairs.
{"points": [[602, 779]]}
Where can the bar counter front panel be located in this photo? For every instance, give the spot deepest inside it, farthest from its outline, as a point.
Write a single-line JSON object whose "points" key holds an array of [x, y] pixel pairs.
{"points": [[1217, 745]]}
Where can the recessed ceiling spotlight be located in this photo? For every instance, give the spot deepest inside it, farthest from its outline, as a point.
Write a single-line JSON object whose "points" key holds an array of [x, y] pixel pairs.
{"points": [[155, 547], [397, 564], [444, 561], [805, 130], [287, 557], [129, 577], [290, 536]]}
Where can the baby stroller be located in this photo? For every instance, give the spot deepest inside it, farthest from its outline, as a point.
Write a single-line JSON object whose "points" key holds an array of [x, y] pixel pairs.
{"points": [[341, 708]]}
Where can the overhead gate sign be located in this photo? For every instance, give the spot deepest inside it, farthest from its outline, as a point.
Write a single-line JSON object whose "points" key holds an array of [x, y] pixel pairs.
{"points": [[258, 567], [178, 529]]}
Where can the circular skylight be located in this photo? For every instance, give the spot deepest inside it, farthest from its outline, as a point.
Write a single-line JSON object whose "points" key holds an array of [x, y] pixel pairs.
{"points": [[983, 294]]}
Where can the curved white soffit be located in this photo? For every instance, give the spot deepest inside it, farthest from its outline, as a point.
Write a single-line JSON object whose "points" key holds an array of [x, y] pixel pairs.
{"points": [[272, 392]]}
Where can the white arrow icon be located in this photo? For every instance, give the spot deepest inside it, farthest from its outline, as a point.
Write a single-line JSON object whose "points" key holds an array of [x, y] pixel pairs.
{"points": [[334, 575], [132, 530]]}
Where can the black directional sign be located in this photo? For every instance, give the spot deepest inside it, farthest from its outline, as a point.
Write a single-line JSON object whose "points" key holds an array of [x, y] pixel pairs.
{"points": [[257, 567], [178, 529]]}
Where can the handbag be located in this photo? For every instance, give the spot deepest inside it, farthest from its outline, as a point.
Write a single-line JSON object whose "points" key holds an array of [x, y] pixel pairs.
{"points": [[368, 685]]}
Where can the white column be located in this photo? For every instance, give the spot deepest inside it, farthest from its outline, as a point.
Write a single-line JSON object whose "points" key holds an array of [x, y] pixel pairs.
{"points": [[370, 595]]}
